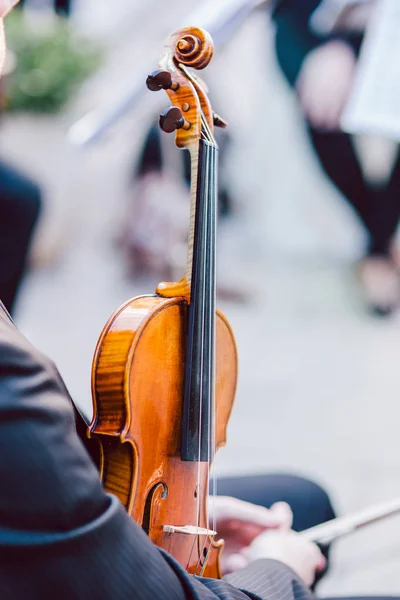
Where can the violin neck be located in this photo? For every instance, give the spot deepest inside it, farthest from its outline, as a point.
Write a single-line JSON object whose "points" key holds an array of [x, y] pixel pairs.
{"points": [[199, 406]]}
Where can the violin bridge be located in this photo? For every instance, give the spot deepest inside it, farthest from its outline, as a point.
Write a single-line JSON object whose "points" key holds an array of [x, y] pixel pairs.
{"points": [[188, 530]]}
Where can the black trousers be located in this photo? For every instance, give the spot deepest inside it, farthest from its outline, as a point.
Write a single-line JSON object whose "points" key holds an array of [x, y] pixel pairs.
{"points": [[20, 202], [309, 502], [62, 7], [377, 208]]}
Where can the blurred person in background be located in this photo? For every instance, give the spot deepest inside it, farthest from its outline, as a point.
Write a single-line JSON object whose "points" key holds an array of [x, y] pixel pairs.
{"points": [[61, 7], [317, 44], [20, 203], [155, 232]]}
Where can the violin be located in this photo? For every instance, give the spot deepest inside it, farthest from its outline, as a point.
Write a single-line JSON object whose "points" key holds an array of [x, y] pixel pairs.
{"points": [[165, 366]]}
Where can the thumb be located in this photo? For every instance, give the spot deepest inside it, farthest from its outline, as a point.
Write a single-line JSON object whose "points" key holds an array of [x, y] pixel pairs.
{"points": [[283, 513], [321, 564]]}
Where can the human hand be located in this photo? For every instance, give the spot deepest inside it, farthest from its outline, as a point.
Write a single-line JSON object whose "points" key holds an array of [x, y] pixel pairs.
{"points": [[6, 6], [324, 84], [288, 547], [239, 523]]}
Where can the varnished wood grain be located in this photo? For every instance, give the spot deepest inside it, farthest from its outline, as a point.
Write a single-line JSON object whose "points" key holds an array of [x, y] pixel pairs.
{"points": [[139, 365], [191, 98], [138, 372]]}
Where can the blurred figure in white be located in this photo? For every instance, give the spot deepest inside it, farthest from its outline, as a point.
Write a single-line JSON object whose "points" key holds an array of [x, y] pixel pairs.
{"points": [[318, 43]]}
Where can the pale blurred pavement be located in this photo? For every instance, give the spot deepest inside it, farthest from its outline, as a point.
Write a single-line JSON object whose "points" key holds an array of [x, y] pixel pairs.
{"points": [[319, 382]]}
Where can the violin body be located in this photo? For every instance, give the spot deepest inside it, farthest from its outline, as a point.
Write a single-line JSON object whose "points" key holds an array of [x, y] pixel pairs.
{"points": [[138, 388], [165, 367]]}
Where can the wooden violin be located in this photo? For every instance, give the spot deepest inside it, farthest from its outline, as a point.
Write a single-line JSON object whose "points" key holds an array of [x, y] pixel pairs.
{"points": [[165, 366]]}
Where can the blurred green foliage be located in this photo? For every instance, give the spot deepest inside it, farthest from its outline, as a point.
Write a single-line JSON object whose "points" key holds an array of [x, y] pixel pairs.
{"points": [[51, 62]]}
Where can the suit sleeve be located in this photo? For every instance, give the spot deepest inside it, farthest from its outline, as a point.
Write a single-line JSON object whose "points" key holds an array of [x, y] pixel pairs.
{"points": [[61, 535]]}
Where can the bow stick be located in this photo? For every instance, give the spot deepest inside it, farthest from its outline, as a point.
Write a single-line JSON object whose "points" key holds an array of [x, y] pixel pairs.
{"points": [[331, 530]]}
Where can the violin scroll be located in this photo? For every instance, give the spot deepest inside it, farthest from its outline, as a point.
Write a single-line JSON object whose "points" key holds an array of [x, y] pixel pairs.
{"points": [[193, 47], [188, 48]]}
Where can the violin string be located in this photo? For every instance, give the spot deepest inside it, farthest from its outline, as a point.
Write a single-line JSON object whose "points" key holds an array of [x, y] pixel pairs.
{"points": [[207, 130], [211, 308], [212, 190], [207, 307], [212, 405], [211, 245], [214, 338], [210, 317], [207, 234], [202, 207]]}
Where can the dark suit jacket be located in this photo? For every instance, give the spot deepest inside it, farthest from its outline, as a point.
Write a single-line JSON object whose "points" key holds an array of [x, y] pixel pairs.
{"points": [[294, 37], [61, 535]]}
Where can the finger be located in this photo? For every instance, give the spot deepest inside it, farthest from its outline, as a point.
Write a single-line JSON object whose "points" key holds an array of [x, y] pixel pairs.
{"points": [[243, 532], [321, 563], [317, 556], [318, 114], [339, 112], [312, 110], [283, 513], [6, 6], [331, 117], [233, 563], [246, 512]]}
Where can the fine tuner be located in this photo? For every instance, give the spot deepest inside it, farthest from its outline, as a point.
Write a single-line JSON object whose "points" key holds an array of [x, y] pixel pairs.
{"points": [[172, 118]]}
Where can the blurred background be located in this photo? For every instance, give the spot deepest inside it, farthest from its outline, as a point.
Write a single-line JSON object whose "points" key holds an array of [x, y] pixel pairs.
{"points": [[319, 381]]}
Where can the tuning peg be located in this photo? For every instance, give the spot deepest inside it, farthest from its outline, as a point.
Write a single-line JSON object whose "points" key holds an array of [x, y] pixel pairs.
{"points": [[219, 121], [172, 119], [161, 80]]}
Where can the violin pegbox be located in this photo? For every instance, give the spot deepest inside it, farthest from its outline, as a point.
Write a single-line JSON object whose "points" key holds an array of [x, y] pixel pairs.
{"points": [[190, 47]]}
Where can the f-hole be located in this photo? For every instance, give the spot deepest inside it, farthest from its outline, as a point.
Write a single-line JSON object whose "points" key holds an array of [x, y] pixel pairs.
{"points": [[149, 503]]}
